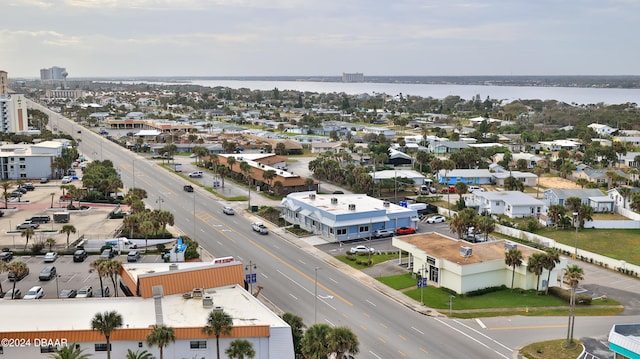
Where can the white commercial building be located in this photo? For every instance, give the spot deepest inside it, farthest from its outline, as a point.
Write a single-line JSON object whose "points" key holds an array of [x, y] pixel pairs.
{"points": [[28, 161]]}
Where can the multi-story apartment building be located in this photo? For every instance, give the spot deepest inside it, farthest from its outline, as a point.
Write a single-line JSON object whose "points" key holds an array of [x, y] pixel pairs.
{"points": [[4, 83], [53, 73], [352, 77], [13, 113]]}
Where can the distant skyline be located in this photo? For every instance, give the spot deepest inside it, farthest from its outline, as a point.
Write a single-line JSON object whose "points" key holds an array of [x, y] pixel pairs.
{"points": [[115, 38]]}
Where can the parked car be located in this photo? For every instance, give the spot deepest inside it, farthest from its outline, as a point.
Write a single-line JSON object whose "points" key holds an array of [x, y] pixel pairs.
{"points": [[260, 228], [475, 188], [34, 293], [28, 186], [228, 210], [80, 255], [14, 278], [361, 249], [27, 224], [133, 256], [450, 189], [66, 179], [6, 256], [102, 292], [107, 254], [381, 233], [50, 257], [44, 180], [405, 230], [85, 292], [15, 194], [196, 174], [436, 219], [188, 188], [22, 190], [10, 294], [68, 293], [47, 273], [40, 219]]}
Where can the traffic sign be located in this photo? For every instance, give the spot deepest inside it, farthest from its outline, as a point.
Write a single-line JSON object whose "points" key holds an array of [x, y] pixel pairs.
{"points": [[422, 282], [250, 278]]}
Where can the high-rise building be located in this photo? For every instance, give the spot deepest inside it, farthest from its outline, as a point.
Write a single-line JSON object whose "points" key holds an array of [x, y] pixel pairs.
{"points": [[13, 108], [54, 73], [352, 77], [4, 83]]}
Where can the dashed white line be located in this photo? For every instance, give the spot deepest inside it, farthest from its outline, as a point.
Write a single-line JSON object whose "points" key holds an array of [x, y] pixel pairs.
{"points": [[370, 302], [481, 324], [417, 330], [294, 297]]}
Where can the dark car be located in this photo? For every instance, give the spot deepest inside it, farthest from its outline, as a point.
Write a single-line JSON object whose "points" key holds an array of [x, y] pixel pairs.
{"points": [[47, 273], [40, 219], [14, 278], [6, 256], [68, 293], [80, 255], [28, 186], [188, 188], [11, 294], [15, 194], [21, 190], [107, 254]]}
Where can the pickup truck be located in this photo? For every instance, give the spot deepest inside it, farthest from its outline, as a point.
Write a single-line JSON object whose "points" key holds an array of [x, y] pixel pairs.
{"points": [[259, 227]]}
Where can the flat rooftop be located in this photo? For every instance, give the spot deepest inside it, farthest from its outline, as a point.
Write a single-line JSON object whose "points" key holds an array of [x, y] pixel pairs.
{"points": [[138, 269], [362, 202]]}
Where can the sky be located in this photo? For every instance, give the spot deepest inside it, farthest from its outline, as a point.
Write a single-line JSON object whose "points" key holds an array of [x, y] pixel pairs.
{"points": [[112, 38]]}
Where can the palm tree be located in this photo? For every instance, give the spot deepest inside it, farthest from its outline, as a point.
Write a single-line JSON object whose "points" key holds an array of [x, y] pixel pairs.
{"points": [[573, 203], [231, 160], [296, 324], [146, 228], [3, 268], [69, 352], [573, 275], [112, 269], [625, 192], [106, 323], [448, 165], [50, 242], [162, 336], [223, 171], [585, 213], [268, 176], [342, 341], [239, 349], [19, 269], [218, 323], [538, 170], [556, 212], [582, 182], [100, 267], [28, 233], [535, 265], [513, 258], [315, 340], [68, 229], [138, 354], [52, 195], [5, 186], [245, 167], [486, 225], [552, 257]]}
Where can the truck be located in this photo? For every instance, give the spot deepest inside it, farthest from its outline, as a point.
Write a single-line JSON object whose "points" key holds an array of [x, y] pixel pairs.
{"points": [[178, 167], [95, 245], [61, 217], [260, 228]]}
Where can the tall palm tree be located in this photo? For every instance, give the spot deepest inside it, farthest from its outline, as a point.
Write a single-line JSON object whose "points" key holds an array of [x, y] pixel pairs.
{"points": [[69, 352], [297, 325], [50, 242], [99, 267], [19, 269], [535, 265], [5, 187], [231, 160], [624, 192], [146, 228], [315, 340], [573, 275], [223, 171], [68, 229], [218, 323], [552, 257], [240, 349], [28, 233], [343, 341], [161, 336], [112, 268], [513, 258], [106, 323], [245, 167], [585, 213]]}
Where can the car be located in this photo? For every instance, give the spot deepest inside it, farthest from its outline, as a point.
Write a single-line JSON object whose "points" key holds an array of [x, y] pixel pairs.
{"points": [[6, 256], [107, 254], [16, 193], [66, 179], [47, 273], [14, 278], [35, 292], [196, 174], [102, 292], [361, 249], [85, 292], [449, 189], [68, 293], [40, 219], [133, 256], [27, 224], [79, 131], [381, 233], [80, 255], [475, 188], [28, 186], [50, 257], [10, 294], [405, 230], [188, 188], [22, 190], [44, 180], [436, 219], [260, 228], [228, 210], [66, 197]]}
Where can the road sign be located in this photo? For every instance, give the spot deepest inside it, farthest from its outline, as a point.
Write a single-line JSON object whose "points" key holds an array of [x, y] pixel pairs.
{"points": [[422, 282], [251, 278]]}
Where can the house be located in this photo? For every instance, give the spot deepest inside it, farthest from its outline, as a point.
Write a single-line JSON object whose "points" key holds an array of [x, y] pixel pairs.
{"points": [[527, 178], [619, 200], [417, 177], [399, 158], [624, 341], [468, 176], [602, 130], [447, 147], [463, 267], [558, 145], [343, 217], [380, 131], [597, 175], [322, 147], [513, 204], [557, 196]]}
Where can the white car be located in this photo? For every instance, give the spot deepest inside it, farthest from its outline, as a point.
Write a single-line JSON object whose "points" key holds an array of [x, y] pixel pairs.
{"points": [[260, 228], [228, 210], [66, 179], [381, 233], [361, 249], [50, 257], [34, 293], [436, 219], [196, 174]]}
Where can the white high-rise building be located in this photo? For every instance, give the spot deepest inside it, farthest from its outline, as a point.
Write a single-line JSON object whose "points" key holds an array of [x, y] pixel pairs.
{"points": [[13, 113], [4, 83]]}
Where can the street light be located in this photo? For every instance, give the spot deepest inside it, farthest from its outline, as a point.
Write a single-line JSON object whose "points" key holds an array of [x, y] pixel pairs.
{"points": [[57, 289], [575, 223], [159, 201], [194, 216], [315, 299], [250, 268], [451, 303], [422, 285]]}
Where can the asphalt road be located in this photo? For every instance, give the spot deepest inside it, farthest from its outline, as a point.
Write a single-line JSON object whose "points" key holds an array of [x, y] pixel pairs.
{"points": [[287, 271]]}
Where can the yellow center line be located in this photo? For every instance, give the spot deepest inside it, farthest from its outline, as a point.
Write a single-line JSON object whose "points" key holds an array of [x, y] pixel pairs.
{"points": [[382, 340], [401, 337], [401, 353]]}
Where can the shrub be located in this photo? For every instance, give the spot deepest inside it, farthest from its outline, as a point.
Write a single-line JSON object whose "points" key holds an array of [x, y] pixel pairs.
{"points": [[37, 247], [483, 291]]}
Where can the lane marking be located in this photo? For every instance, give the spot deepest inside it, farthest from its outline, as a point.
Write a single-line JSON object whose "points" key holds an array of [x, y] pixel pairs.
{"points": [[374, 354], [305, 289], [480, 323], [294, 297], [417, 330], [531, 327], [470, 337], [482, 334]]}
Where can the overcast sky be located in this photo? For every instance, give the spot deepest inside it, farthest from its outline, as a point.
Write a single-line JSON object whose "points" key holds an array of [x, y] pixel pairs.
{"points": [[320, 37]]}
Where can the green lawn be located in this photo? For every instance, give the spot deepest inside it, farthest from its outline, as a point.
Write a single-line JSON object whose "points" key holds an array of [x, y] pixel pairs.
{"points": [[553, 349], [375, 259], [400, 281]]}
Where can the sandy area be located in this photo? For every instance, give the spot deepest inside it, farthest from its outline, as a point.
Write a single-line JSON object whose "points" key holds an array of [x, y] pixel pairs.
{"points": [[557, 182]]}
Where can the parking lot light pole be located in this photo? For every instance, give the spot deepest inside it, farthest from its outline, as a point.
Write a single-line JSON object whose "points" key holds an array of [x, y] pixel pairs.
{"points": [[422, 285]]}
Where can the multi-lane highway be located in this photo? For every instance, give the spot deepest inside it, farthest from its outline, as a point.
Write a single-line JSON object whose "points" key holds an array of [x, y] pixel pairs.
{"points": [[288, 272]]}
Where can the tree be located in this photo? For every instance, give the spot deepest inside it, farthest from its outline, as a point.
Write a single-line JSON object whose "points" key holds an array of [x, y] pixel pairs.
{"points": [[585, 213], [296, 324], [624, 192], [5, 187], [106, 323], [573, 275], [486, 225], [315, 340], [538, 170], [161, 336], [223, 171], [218, 323], [535, 265], [551, 258], [138, 354], [112, 269], [513, 258], [582, 182], [556, 213], [513, 184], [343, 341], [19, 269], [28, 233], [69, 352], [50, 242], [239, 349], [231, 161], [99, 267], [68, 229]]}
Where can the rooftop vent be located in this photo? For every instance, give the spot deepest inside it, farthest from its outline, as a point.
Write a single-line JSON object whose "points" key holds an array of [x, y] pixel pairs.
{"points": [[197, 293], [312, 196], [207, 301], [334, 200], [352, 207], [465, 251], [218, 309], [173, 266], [385, 204]]}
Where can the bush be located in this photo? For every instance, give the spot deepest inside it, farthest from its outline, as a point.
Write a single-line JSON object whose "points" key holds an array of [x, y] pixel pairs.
{"points": [[37, 247], [483, 291], [565, 295]]}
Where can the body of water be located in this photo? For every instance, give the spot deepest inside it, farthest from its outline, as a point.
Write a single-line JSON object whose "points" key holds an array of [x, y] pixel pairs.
{"points": [[569, 95]]}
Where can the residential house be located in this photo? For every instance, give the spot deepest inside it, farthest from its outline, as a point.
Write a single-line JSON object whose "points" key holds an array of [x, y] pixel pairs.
{"points": [[558, 196], [380, 131], [417, 177], [624, 341], [322, 147], [602, 130], [558, 145], [629, 159], [399, 158], [618, 200], [513, 204], [527, 178], [468, 176], [446, 147], [634, 140], [597, 175]]}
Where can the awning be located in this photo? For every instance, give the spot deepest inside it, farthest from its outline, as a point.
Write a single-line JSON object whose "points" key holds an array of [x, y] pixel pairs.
{"points": [[352, 222]]}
